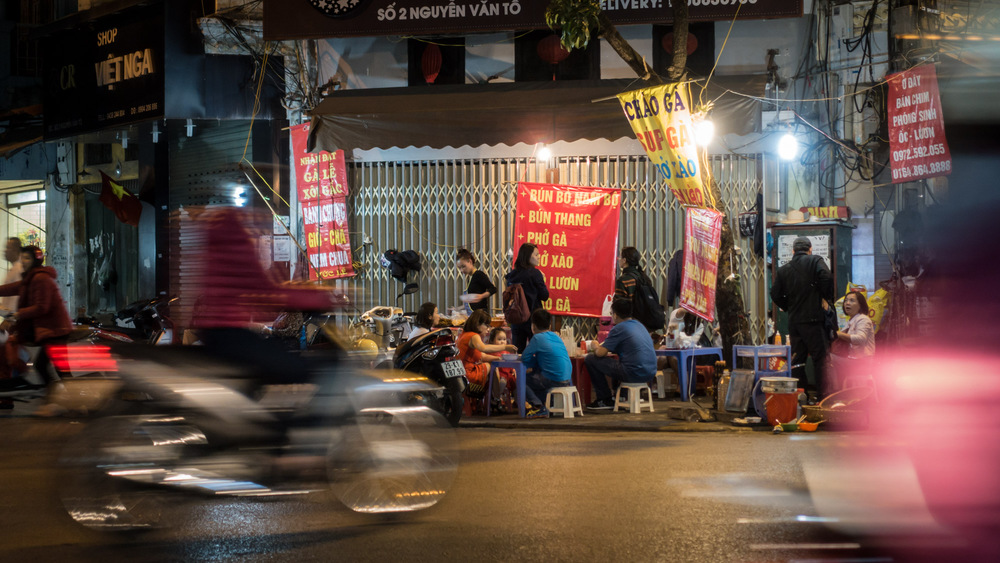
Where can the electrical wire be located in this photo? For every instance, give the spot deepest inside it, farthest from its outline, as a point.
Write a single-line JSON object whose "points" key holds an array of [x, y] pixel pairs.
{"points": [[701, 94]]}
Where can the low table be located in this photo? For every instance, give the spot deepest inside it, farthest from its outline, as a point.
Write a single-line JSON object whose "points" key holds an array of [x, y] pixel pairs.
{"points": [[684, 357], [518, 367], [581, 378]]}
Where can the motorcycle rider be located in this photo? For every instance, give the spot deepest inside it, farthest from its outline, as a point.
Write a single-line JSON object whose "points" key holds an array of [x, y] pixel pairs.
{"points": [[41, 317], [234, 288]]}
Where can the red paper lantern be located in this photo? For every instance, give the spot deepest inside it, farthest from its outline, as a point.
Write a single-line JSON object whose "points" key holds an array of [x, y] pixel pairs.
{"points": [[551, 50], [668, 43], [430, 62]]}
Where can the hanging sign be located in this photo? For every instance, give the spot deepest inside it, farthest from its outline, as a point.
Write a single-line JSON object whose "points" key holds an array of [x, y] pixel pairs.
{"points": [[660, 116], [576, 232], [828, 212], [702, 233], [322, 190], [916, 126], [105, 73]]}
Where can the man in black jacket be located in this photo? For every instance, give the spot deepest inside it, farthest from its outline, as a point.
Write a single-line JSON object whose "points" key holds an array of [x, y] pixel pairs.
{"points": [[804, 288]]}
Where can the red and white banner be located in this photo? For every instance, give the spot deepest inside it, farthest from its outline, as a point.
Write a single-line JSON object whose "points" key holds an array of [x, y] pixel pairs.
{"points": [[322, 190], [916, 126], [702, 233], [576, 232]]}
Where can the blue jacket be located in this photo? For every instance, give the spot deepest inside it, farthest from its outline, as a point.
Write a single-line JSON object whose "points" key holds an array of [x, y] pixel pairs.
{"points": [[547, 353]]}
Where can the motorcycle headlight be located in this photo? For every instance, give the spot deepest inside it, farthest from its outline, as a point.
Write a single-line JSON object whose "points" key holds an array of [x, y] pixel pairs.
{"points": [[430, 354]]}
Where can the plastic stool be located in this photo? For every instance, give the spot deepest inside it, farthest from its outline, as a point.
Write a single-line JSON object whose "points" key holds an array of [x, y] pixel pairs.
{"points": [[634, 401], [569, 401], [861, 381]]}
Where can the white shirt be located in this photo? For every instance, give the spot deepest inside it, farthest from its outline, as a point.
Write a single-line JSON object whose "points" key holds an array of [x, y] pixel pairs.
{"points": [[14, 273], [419, 331]]}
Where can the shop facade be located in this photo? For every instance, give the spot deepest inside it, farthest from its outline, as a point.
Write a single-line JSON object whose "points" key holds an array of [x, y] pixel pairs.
{"points": [[132, 99]]}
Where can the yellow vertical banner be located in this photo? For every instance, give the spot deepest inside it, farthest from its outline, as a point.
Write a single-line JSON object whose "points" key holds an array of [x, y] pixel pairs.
{"points": [[660, 116]]}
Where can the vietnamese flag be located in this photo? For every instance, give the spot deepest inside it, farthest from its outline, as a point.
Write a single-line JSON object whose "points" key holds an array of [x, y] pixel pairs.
{"points": [[126, 206]]}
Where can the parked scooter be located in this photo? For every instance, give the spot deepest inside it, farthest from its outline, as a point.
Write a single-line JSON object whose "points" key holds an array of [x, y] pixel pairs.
{"points": [[142, 321], [184, 425], [434, 355]]}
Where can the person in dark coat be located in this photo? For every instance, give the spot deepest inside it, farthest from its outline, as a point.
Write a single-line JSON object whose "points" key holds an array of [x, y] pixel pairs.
{"points": [[631, 275], [41, 317], [674, 269], [532, 281], [804, 288]]}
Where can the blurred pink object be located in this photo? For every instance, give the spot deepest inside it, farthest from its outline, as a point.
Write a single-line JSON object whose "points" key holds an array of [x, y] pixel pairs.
{"points": [[234, 285]]}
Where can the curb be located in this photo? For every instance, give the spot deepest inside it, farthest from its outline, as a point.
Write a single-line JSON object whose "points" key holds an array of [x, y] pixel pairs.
{"points": [[674, 426]]}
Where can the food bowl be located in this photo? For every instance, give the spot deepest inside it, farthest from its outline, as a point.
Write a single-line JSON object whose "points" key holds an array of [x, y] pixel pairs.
{"points": [[808, 426], [510, 357], [789, 426]]}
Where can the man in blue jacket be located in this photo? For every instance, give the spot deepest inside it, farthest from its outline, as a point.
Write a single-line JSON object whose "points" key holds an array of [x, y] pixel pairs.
{"points": [[636, 362]]}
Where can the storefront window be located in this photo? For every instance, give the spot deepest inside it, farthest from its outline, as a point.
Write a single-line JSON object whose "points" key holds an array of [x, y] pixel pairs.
{"points": [[25, 219]]}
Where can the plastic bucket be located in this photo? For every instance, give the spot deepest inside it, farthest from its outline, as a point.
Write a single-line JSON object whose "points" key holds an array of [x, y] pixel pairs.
{"points": [[781, 407]]}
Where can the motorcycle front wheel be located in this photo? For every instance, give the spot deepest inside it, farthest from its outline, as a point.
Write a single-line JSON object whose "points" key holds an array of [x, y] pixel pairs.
{"points": [[453, 402], [393, 460], [91, 492]]}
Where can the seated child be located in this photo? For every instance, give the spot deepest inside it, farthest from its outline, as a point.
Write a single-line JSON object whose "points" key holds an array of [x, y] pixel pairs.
{"points": [[506, 377]]}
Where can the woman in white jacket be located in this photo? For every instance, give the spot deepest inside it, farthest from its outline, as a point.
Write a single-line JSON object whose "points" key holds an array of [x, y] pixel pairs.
{"points": [[853, 349]]}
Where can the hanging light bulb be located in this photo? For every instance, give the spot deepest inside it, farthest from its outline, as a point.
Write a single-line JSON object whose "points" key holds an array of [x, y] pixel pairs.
{"points": [[544, 153], [788, 147], [704, 131]]}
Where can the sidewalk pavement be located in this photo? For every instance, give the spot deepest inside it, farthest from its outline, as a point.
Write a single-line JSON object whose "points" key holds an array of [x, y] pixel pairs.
{"points": [[669, 416]]}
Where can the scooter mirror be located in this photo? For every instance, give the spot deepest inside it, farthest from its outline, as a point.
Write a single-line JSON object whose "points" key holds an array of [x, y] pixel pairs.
{"points": [[409, 289]]}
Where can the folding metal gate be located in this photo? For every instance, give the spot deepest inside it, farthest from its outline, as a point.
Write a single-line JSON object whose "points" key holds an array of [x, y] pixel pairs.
{"points": [[436, 207]]}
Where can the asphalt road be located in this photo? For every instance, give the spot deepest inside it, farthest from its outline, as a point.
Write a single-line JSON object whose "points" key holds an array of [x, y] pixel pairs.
{"points": [[528, 495]]}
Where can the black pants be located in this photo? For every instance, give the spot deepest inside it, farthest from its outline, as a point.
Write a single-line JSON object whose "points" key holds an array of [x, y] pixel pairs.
{"points": [[42, 362], [265, 358], [520, 334], [809, 340]]}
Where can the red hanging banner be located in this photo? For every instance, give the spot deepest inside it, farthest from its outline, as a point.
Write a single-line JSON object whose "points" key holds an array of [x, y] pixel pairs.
{"points": [[322, 190], [702, 233], [916, 126], [576, 232]]}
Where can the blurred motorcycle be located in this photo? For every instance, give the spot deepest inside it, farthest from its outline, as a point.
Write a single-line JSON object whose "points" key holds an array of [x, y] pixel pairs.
{"points": [[82, 372], [184, 425]]}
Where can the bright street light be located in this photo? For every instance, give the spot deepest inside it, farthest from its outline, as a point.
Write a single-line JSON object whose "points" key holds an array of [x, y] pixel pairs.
{"points": [[703, 132], [788, 147]]}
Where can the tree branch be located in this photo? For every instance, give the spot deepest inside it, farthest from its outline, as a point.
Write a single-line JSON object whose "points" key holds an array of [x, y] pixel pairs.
{"points": [[632, 58]]}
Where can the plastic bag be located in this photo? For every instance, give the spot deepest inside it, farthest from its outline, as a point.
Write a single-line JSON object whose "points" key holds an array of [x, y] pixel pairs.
{"points": [[606, 307], [877, 304]]}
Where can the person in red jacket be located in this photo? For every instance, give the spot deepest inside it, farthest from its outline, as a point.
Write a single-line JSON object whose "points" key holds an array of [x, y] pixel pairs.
{"points": [[235, 291], [41, 317]]}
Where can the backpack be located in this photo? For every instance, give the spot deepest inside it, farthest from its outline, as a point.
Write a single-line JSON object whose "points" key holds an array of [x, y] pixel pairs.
{"points": [[646, 307], [515, 305]]}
